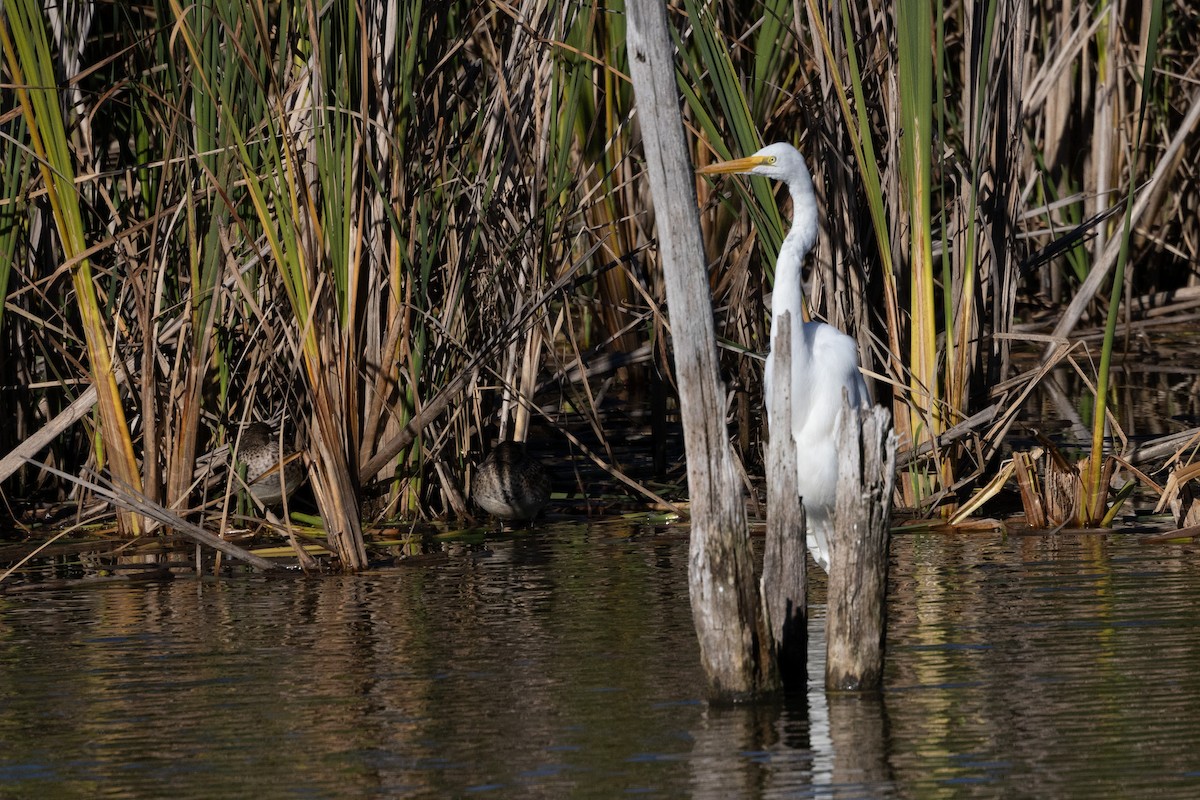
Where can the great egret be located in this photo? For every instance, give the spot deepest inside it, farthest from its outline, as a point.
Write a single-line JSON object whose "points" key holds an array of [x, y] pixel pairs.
{"points": [[824, 360], [259, 450], [511, 484]]}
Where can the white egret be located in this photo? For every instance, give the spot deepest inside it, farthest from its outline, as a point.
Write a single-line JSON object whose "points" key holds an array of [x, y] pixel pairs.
{"points": [[824, 360]]}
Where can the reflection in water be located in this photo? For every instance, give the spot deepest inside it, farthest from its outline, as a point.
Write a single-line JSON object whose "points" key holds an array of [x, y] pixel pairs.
{"points": [[562, 662], [860, 753], [1062, 664]]}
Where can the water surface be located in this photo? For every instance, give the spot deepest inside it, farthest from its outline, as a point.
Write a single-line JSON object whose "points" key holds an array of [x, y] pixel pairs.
{"points": [[562, 663]]}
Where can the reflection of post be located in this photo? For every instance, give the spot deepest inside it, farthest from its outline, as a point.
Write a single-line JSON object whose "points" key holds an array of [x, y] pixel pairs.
{"points": [[783, 580], [857, 725], [726, 734], [859, 550]]}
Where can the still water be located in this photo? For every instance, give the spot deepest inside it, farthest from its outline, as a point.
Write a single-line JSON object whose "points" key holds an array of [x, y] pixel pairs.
{"points": [[562, 663]]}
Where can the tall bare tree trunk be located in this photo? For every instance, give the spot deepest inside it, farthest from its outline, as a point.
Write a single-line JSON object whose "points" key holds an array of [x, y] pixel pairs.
{"points": [[734, 644]]}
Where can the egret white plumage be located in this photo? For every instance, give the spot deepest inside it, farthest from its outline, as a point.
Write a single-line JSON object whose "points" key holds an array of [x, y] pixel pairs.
{"points": [[824, 360]]}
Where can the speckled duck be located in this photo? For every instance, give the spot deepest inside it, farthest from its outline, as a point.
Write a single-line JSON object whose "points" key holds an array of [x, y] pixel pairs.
{"points": [[510, 484]]}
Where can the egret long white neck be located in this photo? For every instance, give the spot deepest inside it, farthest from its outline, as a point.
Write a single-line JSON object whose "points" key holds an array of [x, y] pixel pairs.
{"points": [[788, 292], [804, 212]]}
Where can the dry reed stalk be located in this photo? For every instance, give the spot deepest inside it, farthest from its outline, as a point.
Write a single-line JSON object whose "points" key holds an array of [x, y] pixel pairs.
{"points": [[1029, 486], [27, 55]]}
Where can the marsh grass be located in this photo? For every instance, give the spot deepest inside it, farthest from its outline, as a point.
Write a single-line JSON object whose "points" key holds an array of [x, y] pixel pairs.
{"points": [[928, 165], [412, 230]]}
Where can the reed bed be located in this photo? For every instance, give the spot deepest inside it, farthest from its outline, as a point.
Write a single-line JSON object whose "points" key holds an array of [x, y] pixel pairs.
{"points": [[405, 230]]}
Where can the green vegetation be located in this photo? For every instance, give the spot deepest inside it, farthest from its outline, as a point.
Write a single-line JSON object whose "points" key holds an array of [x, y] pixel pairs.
{"points": [[396, 224]]}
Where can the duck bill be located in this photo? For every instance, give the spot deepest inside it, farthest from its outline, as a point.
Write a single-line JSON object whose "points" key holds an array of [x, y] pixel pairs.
{"points": [[736, 165]]}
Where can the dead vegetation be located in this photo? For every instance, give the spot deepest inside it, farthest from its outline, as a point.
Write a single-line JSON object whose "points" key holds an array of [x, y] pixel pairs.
{"points": [[413, 231]]}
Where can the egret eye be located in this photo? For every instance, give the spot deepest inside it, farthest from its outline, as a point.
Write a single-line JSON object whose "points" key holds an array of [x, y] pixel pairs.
{"points": [[770, 159]]}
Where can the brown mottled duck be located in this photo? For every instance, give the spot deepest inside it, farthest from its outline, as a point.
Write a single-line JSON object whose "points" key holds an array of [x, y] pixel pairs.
{"points": [[510, 484], [259, 450]]}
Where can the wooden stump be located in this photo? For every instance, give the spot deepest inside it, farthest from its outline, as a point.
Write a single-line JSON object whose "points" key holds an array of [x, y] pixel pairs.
{"points": [[857, 616], [784, 578], [730, 627]]}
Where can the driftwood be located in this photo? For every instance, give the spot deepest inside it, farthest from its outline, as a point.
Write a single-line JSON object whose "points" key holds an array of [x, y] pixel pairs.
{"points": [[732, 632], [857, 614], [784, 578]]}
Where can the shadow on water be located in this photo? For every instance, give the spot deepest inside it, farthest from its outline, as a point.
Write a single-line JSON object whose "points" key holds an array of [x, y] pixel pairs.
{"points": [[562, 662]]}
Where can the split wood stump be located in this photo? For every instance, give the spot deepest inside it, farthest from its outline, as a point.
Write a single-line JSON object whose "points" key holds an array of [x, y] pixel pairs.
{"points": [[857, 614], [857, 611], [784, 584]]}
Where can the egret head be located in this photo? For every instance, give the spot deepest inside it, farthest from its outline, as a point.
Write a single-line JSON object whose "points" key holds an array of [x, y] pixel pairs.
{"points": [[780, 161]]}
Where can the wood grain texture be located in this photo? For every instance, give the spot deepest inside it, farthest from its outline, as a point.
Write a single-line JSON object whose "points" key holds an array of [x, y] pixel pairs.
{"points": [[784, 579], [734, 644], [857, 612]]}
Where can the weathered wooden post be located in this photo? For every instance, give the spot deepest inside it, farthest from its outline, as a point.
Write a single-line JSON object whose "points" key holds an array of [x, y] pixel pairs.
{"points": [[784, 579], [858, 562], [734, 643]]}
